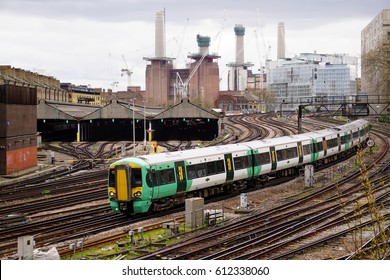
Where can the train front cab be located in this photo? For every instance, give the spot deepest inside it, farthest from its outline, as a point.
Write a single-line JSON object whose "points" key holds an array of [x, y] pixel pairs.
{"points": [[124, 188]]}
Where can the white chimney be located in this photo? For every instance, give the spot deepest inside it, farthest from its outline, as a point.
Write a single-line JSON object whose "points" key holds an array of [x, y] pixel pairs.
{"points": [[160, 34], [281, 41], [239, 30]]}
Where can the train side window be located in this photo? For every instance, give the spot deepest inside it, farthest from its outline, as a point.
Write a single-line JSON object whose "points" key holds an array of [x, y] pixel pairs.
{"points": [[307, 149], [241, 162], [136, 179], [286, 154], [292, 152], [211, 170], [355, 135], [220, 166], [167, 176], [191, 172], [237, 163], [262, 158], [281, 155], [345, 139], [320, 147], [111, 178], [247, 161], [201, 170], [152, 176], [331, 143], [170, 174]]}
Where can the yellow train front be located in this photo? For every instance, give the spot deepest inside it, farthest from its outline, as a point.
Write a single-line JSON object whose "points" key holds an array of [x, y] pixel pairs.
{"points": [[128, 190]]}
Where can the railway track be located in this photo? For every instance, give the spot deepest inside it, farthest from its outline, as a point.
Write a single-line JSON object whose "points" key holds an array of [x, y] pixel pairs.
{"points": [[78, 231], [271, 233], [265, 235]]}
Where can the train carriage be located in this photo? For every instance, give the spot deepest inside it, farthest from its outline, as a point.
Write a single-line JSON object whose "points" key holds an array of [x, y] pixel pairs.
{"points": [[165, 179], [215, 165], [332, 146], [289, 151], [277, 154], [319, 145], [261, 157], [357, 132]]}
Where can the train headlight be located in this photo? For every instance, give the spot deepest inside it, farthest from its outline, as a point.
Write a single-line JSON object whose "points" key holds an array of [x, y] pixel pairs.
{"points": [[112, 194], [137, 194]]}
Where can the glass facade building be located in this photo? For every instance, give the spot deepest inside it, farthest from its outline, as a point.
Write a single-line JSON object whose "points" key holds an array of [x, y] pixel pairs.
{"points": [[300, 80]]}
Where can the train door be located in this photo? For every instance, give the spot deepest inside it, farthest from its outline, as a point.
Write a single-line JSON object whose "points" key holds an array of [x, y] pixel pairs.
{"points": [[181, 176], [273, 158], [300, 152], [339, 141], [324, 146], [153, 183], [122, 181], [229, 167]]}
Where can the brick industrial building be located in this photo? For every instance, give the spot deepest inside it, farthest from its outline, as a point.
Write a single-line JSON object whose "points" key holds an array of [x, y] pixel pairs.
{"points": [[18, 128]]}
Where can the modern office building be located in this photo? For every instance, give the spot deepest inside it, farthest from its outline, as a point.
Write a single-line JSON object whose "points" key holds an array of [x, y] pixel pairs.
{"points": [[292, 81]]}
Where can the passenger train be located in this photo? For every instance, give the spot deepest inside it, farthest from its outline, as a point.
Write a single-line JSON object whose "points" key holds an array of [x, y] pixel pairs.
{"points": [[155, 182]]}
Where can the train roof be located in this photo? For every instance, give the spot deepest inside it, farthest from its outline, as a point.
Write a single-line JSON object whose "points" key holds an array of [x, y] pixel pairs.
{"points": [[245, 146], [193, 153], [277, 141], [353, 125]]}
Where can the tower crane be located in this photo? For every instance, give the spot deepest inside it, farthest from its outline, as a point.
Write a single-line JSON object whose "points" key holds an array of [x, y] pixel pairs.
{"points": [[265, 49], [127, 72], [182, 87]]}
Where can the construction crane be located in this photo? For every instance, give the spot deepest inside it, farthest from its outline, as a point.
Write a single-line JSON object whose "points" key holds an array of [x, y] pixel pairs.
{"points": [[265, 49], [181, 88], [127, 72], [180, 45]]}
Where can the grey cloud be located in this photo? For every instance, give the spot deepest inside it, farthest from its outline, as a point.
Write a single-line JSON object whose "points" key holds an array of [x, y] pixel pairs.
{"points": [[299, 11]]}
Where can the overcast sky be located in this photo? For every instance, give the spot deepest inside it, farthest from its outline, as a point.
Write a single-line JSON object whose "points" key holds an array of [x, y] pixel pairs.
{"points": [[84, 41]]}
